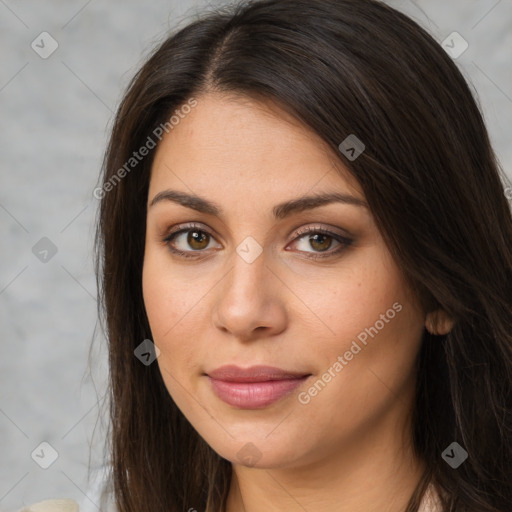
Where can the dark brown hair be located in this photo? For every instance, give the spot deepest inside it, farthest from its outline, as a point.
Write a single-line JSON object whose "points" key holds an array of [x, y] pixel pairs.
{"points": [[433, 185]]}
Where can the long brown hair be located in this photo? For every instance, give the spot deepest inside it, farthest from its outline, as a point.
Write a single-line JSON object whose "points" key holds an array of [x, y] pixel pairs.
{"points": [[435, 190]]}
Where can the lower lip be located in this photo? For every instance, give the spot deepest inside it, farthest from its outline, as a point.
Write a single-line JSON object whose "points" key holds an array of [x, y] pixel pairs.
{"points": [[254, 395]]}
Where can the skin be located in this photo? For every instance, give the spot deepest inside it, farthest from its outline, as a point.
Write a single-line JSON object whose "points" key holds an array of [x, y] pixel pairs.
{"points": [[349, 447]]}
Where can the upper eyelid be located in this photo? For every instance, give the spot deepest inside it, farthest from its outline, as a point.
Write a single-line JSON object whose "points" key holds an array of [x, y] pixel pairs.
{"points": [[327, 230], [298, 231]]}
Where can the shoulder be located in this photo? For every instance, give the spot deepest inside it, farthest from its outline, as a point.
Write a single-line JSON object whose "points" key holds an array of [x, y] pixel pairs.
{"points": [[63, 505]]}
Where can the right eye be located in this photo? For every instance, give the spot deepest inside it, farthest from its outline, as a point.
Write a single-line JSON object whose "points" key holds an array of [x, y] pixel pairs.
{"points": [[181, 240]]}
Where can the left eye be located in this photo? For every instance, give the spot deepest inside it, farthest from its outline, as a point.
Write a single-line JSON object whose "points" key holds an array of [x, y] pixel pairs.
{"points": [[321, 241]]}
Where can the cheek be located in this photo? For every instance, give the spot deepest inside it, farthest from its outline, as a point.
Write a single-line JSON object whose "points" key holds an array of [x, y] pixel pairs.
{"points": [[167, 298], [157, 295], [171, 304], [355, 393], [344, 303], [369, 318], [373, 360]]}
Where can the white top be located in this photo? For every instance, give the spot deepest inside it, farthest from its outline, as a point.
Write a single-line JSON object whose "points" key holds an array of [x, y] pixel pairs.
{"points": [[64, 505], [429, 504]]}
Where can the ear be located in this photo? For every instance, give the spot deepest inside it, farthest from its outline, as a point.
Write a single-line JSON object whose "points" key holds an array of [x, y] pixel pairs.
{"points": [[439, 322]]}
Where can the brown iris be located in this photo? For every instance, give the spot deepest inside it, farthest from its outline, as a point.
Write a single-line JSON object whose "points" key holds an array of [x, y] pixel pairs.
{"points": [[197, 237], [321, 246]]}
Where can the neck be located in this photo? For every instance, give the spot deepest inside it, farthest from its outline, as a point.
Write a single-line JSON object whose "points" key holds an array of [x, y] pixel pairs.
{"points": [[375, 471]]}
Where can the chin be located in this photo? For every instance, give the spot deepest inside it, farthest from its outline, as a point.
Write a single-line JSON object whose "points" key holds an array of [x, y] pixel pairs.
{"points": [[257, 452]]}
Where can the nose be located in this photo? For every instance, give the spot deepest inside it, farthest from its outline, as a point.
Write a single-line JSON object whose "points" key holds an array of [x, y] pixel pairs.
{"points": [[250, 300]]}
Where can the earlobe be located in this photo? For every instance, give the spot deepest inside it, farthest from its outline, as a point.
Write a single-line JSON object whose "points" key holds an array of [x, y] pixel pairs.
{"points": [[439, 322]]}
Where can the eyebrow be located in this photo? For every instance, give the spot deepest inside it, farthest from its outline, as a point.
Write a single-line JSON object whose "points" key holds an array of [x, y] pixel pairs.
{"points": [[279, 211]]}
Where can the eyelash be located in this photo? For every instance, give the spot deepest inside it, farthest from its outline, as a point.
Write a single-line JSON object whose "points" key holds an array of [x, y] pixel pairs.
{"points": [[311, 230]]}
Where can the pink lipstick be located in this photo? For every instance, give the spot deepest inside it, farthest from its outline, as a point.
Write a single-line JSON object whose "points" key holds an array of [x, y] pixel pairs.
{"points": [[255, 387]]}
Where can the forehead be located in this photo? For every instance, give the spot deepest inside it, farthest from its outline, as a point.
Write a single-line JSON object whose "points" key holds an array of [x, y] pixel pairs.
{"points": [[236, 142]]}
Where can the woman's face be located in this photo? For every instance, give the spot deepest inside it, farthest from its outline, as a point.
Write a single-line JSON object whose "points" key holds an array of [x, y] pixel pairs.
{"points": [[327, 307]]}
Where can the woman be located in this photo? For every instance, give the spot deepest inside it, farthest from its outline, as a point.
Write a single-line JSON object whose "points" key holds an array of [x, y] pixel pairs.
{"points": [[305, 269]]}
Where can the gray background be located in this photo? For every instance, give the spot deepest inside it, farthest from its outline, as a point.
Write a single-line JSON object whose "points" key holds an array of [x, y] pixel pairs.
{"points": [[55, 116]]}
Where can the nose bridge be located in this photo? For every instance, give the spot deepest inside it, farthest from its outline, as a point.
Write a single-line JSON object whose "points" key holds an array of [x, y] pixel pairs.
{"points": [[248, 278], [246, 298]]}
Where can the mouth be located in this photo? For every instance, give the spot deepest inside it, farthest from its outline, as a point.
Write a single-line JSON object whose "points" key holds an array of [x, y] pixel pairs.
{"points": [[255, 387]]}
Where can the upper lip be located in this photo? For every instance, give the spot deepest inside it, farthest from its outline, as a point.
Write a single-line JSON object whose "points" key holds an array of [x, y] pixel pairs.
{"points": [[233, 373]]}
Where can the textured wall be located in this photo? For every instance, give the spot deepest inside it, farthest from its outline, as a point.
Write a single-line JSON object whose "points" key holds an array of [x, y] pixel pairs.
{"points": [[55, 115]]}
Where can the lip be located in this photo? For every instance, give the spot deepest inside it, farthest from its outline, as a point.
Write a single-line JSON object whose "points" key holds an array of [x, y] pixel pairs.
{"points": [[254, 387]]}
